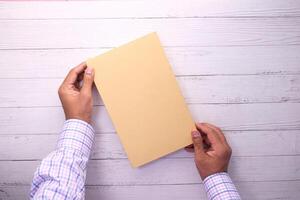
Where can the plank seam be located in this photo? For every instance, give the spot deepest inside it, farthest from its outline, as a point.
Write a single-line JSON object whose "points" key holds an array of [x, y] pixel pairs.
{"points": [[289, 101], [164, 46], [101, 133], [254, 17], [274, 73], [166, 184], [175, 46], [162, 158]]}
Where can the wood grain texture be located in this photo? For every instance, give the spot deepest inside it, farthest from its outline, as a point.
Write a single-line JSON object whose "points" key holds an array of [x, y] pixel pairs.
{"points": [[163, 171], [237, 64], [249, 190], [195, 89], [148, 9], [282, 116], [19, 34], [108, 146], [250, 60]]}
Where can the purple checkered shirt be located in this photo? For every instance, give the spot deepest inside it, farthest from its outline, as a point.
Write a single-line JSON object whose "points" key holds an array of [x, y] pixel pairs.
{"points": [[61, 175], [219, 186]]}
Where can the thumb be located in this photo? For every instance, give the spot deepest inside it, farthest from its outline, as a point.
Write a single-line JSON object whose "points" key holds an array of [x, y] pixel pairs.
{"points": [[198, 143], [88, 80]]}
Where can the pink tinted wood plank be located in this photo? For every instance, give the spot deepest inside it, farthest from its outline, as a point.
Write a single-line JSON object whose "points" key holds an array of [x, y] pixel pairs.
{"points": [[147, 9], [49, 120], [95, 33], [108, 146]]}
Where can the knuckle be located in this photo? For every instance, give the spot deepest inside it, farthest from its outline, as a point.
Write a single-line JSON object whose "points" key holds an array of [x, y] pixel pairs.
{"points": [[218, 129], [86, 79], [60, 90], [73, 70], [86, 95], [228, 150], [89, 79], [197, 159]]}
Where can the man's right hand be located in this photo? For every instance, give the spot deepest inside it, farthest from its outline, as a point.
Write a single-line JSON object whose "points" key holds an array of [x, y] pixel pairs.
{"points": [[212, 152]]}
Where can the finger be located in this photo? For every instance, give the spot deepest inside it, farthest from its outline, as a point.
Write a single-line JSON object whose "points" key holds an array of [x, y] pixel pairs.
{"points": [[206, 143], [190, 146], [212, 136], [189, 149], [74, 73], [218, 131], [198, 143], [88, 80], [78, 82], [206, 140], [204, 137], [80, 77]]}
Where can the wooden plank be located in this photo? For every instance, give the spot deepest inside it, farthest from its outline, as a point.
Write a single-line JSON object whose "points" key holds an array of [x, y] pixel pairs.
{"points": [[57, 25], [95, 33], [195, 89], [250, 60], [148, 9], [49, 120], [248, 190], [107, 146], [288, 190], [240, 89], [163, 171], [14, 192]]}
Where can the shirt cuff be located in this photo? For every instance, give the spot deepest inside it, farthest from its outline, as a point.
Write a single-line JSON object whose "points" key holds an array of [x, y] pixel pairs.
{"points": [[77, 134], [220, 186]]}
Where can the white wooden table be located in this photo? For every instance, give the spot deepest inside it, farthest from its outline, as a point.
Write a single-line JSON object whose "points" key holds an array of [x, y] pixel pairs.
{"points": [[237, 62]]}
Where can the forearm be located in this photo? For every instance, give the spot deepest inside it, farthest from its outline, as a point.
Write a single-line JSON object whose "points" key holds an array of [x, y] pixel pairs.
{"points": [[219, 186], [62, 173]]}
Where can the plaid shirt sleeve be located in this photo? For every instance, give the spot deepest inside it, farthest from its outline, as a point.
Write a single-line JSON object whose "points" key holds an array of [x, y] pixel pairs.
{"points": [[219, 186], [61, 175]]}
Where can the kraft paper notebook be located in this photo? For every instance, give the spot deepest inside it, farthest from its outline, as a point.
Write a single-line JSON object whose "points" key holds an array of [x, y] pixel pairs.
{"points": [[143, 99]]}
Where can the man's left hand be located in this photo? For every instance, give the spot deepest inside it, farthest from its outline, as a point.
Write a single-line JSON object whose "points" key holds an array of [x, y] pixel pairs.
{"points": [[76, 98]]}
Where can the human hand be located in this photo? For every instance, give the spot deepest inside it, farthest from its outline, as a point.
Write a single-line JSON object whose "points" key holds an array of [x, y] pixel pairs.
{"points": [[77, 99], [212, 152]]}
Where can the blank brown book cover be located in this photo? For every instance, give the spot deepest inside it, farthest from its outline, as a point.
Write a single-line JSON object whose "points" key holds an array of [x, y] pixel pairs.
{"points": [[143, 99]]}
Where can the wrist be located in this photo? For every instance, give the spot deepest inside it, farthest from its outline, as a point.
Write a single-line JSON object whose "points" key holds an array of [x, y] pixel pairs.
{"points": [[86, 119], [208, 174], [211, 176], [79, 120]]}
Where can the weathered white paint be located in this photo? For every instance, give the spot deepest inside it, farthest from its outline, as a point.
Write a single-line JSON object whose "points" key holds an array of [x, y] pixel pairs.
{"points": [[108, 146], [195, 89], [248, 190], [94, 33], [148, 9], [237, 64], [231, 60], [49, 120], [164, 171]]}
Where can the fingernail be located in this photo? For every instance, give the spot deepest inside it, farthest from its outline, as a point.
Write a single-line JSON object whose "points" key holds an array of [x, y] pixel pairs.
{"points": [[89, 70], [196, 134]]}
